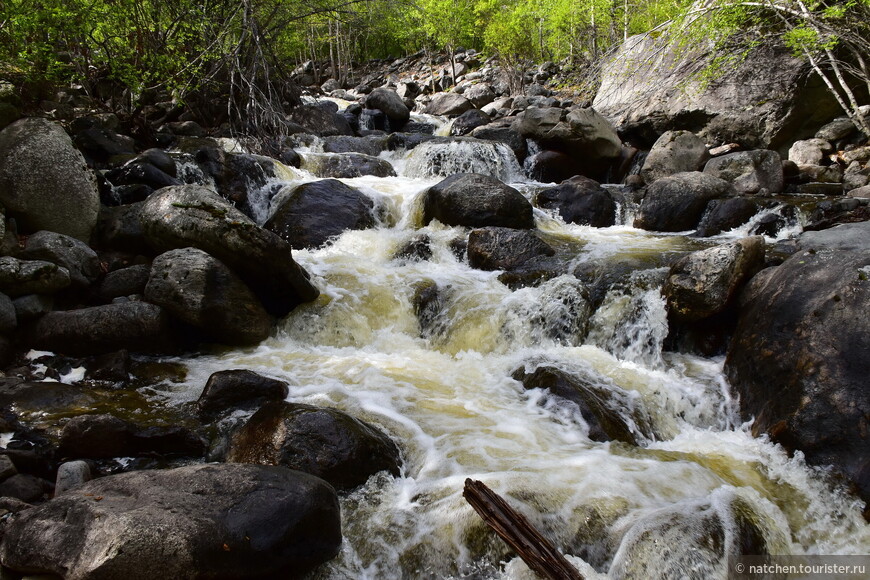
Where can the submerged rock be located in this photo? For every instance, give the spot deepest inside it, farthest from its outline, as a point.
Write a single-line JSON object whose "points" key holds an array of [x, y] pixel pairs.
{"points": [[504, 248], [105, 436], [475, 200], [611, 413], [321, 441], [214, 521]]}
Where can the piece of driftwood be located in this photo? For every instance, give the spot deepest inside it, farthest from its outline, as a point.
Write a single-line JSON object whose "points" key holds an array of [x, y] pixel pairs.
{"points": [[535, 550]]}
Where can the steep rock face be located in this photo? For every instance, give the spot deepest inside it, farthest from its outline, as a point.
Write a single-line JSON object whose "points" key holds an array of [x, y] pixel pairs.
{"points": [[768, 101], [199, 521], [36, 157], [800, 355]]}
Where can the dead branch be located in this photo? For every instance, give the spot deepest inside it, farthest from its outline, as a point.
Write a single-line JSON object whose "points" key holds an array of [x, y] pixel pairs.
{"points": [[535, 550]]}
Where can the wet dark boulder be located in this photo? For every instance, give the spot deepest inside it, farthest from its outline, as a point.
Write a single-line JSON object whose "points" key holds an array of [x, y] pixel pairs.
{"points": [[124, 282], [236, 175], [119, 228], [347, 165], [36, 157], [324, 442], [723, 215], [199, 521], [676, 203], [703, 283], [496, 248], [417, 249], [227, 391], [551, 166], [468, 121], [372, 146], [75, 256], [320, 122], [106, 436], [476, 200], [139, 173], [194, 216], [100, 143], [201, 291], [309, 215], [135, 326], [580, 200], [611, 413], [800, 356]]}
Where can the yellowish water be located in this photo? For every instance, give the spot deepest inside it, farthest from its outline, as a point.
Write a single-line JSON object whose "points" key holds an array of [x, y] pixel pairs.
{"points": [[449, 402]]}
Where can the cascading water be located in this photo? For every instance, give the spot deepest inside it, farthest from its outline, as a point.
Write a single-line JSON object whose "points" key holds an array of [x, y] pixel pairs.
{"points": [[678, 504]]}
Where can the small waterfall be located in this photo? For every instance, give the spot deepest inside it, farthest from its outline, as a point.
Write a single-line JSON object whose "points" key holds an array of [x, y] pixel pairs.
{"points": [[631, 323], [443, 158]]}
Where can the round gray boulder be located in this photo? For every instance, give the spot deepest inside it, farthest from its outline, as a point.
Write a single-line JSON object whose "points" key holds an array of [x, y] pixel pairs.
{"points": [[674, 152], [44, 181], [676, 203]]}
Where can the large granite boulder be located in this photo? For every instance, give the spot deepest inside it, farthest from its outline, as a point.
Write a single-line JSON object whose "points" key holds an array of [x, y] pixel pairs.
{"points": [[324, 442], [582, 133], [320, 122], [800, 356], [476, 200], [44, 181], [676, 203], [749, 172], [309, 215], [22, 277], [448, 105], [201, 291], [767, 101], [199, 521], [194, 216]]}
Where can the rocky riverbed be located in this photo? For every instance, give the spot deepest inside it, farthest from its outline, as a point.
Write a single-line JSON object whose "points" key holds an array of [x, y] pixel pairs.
{"points": [[215, 360]]}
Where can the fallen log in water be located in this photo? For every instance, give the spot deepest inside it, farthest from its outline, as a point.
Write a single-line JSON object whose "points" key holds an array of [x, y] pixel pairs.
{"points": [[535, 550]]}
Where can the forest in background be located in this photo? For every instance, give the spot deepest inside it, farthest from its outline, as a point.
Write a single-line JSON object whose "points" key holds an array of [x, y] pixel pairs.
{"points": [[247, 49]]}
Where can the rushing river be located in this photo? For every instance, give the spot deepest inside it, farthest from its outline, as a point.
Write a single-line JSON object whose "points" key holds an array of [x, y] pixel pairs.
{"points": [[671, 506]]}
